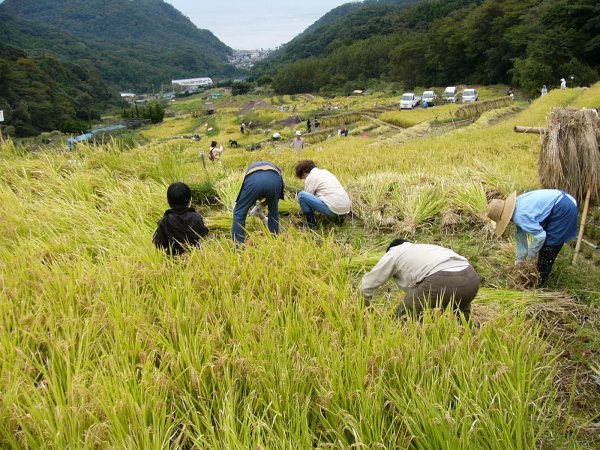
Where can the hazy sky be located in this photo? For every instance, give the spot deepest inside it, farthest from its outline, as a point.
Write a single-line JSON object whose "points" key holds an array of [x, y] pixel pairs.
{"points": [[252, 24]]}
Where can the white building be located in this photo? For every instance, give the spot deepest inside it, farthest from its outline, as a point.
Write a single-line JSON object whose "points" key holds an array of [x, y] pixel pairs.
{"points": [[128, 96], [191, 84]]}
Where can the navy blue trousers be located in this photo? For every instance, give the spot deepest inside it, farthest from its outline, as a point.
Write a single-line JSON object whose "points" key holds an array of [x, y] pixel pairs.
{"points": [[263, 184]]}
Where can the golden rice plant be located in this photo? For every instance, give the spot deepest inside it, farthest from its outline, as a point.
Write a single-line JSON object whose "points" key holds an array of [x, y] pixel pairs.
{"points": [[372, 195], [228, 189], [475, 109], [470, 200], [418, 205]]}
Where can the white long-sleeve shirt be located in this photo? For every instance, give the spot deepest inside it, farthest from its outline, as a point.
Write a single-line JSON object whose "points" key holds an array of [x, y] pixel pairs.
{"points": [[409, 264], [325, 185]]}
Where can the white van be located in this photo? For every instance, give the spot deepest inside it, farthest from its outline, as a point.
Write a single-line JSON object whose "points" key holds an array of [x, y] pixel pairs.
{"points": [[450, 95], [470, 96]]}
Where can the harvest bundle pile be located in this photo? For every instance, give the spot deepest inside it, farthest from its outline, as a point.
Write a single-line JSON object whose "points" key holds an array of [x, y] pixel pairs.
{"points": [[570, 157]]}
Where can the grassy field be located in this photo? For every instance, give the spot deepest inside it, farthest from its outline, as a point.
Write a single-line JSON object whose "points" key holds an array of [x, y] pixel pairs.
{"points": [[108, 343]]}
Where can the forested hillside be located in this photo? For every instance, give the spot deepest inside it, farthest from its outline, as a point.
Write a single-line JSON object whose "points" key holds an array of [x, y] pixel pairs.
{"points": [[525, 43], [134, 44], [41, 93]]}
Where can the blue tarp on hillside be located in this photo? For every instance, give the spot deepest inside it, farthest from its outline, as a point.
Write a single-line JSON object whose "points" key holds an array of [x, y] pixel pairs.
{"points": [[84, 137]]}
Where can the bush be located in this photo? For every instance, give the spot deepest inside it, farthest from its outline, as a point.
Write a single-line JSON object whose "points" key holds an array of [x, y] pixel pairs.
{"points": [[154, 112], [73, 126], [241, 87]]}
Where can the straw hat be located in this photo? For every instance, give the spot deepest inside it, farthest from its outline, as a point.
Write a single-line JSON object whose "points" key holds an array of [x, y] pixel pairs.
{"points": [[298, 133], [501, 211]]}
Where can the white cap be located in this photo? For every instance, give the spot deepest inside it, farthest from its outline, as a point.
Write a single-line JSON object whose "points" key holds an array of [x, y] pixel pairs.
{"points": [[298, 133]]}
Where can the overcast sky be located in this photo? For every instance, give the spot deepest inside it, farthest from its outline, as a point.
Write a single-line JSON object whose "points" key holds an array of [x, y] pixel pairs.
{"points": [[254, 24]]}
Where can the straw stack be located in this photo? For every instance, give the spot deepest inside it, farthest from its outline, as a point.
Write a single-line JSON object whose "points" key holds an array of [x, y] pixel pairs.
{"points": [[570, 156]]}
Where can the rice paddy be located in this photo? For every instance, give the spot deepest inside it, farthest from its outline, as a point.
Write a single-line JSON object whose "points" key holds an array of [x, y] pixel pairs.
{"points": [[108, 343]]}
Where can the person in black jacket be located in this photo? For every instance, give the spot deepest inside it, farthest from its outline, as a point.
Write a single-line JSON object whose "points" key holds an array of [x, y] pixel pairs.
{"points": [[181, 226]]}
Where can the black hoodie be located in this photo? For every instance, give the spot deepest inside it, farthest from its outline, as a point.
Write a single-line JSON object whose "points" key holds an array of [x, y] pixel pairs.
{"points": [[179, 227]]}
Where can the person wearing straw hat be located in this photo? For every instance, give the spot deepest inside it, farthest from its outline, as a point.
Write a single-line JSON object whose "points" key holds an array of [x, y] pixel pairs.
{"points": [[549, 216], [298, 142]]}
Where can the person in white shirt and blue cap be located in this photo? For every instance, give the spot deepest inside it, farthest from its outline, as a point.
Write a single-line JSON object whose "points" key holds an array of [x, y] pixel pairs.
{"points": [[549, 216]]}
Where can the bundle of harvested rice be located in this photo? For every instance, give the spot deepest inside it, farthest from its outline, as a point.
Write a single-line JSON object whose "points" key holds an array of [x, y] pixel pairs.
{"points": [[570, 157], [362, 262]]}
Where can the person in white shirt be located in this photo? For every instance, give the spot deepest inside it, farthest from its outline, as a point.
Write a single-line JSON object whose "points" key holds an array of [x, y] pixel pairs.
{"points": [[322, 193], [215, 152], [432, 276], [298, 142]]}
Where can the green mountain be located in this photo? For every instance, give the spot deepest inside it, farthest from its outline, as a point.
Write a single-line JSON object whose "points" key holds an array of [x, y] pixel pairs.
{"points": [[133, 43], [342, 25], [526, 43], [41, 93], [63, 61]]}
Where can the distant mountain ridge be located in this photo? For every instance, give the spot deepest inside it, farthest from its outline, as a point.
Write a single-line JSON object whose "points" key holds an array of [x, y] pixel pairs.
{"points": [[62, 62], [525, 43], [134, 43]]}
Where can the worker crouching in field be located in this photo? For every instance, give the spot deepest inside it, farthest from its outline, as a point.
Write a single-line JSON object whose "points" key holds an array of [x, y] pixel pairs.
{"points": [[432, 276], [322, 193], [548, 215], [181, 226], [263, 181]]}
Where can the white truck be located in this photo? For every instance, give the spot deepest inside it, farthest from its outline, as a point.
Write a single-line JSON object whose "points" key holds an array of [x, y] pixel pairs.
{"points": [[409, 100], [450, 95], [429, 97]]}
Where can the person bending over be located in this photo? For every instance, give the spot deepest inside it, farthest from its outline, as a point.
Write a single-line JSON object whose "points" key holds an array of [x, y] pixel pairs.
{"points": [[263, 181], [432, 276], [549, 216]]}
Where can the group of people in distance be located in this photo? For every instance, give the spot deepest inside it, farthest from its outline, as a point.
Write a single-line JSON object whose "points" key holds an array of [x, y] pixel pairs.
{"points": [[430, 275]]}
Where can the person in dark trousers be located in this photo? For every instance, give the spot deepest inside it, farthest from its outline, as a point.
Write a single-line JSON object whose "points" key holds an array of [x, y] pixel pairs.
{"points": [[308, 125], [432, 276], [181, 226], [549, 216], [263, 181], [316, 123]]}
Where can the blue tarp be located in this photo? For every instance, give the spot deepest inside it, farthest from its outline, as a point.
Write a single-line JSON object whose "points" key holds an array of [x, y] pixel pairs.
{"points": [[84, 137]]}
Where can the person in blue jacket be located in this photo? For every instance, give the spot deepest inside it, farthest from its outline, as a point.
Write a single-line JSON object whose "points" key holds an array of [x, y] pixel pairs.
{"points": [[263, 181], [549, 216]]}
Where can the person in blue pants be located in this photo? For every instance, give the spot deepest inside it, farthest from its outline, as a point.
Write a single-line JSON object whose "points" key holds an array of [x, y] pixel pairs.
{"points": [[322, 193], [549, 216], [263, 181]]}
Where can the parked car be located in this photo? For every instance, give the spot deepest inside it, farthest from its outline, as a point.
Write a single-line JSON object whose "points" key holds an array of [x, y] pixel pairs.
{"points": [[429, 97], [450, 95], [470, 96], [409, 100]]}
